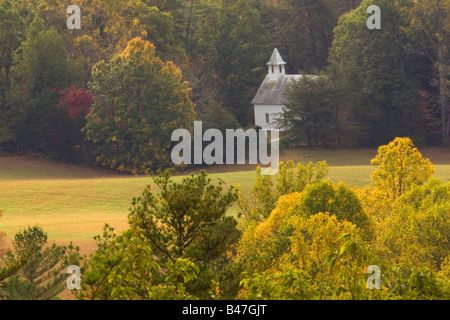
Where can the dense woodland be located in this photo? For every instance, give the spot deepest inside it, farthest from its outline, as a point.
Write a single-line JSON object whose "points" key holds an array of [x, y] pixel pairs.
{"points": [[112, 92], [90, 95]]}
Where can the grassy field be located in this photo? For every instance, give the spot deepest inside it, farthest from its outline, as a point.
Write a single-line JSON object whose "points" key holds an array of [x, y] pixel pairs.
{"points": [[73, 203]]}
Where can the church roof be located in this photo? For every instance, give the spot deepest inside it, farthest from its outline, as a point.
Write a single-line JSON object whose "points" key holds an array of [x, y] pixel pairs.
{"points": [[275, 59], [273, 92]]}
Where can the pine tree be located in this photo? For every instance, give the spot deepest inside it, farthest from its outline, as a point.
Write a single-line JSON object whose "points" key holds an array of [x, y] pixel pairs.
{"points": [[40, 274]]}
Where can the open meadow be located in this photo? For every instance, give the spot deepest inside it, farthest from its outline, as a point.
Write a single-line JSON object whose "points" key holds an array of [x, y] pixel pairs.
{"points": [[73, 203]]}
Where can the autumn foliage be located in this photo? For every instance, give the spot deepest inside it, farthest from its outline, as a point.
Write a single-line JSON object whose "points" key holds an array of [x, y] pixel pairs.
{"points": [[77, 101], [139, 101], [317, 243]]}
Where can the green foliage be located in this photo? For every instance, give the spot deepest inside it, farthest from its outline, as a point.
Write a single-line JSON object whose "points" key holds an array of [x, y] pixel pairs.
{"points": [[418, 231], [348, 269], [295, 178], [139, 102], [340, 201], [291, 285], [41, 272], [124, 268], [319, 242], [187, 220], [160, 30], [430, 37], [422, 284], [303, 29], [241, 53], [264, 195], [378, 73], [312, 110], [214, 116], [107, 27], [302, 236], [12, 26], [40, 72], [12, 267]]}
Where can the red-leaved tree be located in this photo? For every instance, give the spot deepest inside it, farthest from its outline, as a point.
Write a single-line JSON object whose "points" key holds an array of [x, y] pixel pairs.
{"points": [[77, 101], [72, 108]]}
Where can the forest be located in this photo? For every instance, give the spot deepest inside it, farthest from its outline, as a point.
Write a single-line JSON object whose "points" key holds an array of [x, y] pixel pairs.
{"points": [[110, 94], [68, 94]]}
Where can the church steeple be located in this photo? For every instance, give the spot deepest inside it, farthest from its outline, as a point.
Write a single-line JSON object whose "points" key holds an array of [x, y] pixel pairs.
{"points": [[276, 66]]}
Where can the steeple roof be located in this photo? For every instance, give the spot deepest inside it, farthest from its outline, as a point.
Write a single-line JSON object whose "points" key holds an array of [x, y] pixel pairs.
{"points": [[275, 59]]}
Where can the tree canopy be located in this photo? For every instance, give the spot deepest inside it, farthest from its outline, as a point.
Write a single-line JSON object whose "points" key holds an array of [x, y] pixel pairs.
{"points": [[138, 102]]}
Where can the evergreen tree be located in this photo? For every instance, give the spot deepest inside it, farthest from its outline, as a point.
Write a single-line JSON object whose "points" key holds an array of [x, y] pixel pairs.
{"points": [[312, 110], [41, 273]]}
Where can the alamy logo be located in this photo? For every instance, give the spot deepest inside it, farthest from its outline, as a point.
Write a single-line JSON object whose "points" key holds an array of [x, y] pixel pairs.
{"points": [[74, 21], [374, 21], [74, 281], [374, 281], [235, 152]]}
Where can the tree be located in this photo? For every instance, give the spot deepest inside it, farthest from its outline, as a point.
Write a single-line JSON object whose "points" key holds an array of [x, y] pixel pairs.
{"points": [[73, 106], [108, 26], [124, 267], [312, 110], [340, 201], [272, 237], [139, 101], [2, 236], [187, 220], [399, 166], [42, 276], [10, 38], [77, 101], [42, 70], [263, 197], [289, 249], [242, 49], [10, 268], [378, 74], [429, 32], [304, 29], [214, 116], [418, 230]]}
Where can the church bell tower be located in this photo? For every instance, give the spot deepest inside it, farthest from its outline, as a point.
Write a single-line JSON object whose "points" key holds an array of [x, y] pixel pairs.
{"points": [[276, 66]]}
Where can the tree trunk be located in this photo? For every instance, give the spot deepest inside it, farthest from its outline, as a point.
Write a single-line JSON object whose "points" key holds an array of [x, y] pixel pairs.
{"points": [[188, 28], [443, 98]]}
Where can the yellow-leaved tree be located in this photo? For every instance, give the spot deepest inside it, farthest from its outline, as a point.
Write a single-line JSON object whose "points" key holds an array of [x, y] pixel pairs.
{"points": [[284, 257], [400, 166], [418, 231]]}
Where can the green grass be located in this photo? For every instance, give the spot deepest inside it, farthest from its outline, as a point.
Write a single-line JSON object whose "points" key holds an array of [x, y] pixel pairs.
{"points": [[73, 203]]}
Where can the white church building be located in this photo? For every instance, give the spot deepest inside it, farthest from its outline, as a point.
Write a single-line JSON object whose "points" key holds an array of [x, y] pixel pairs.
{"points": [[270, 99]]}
